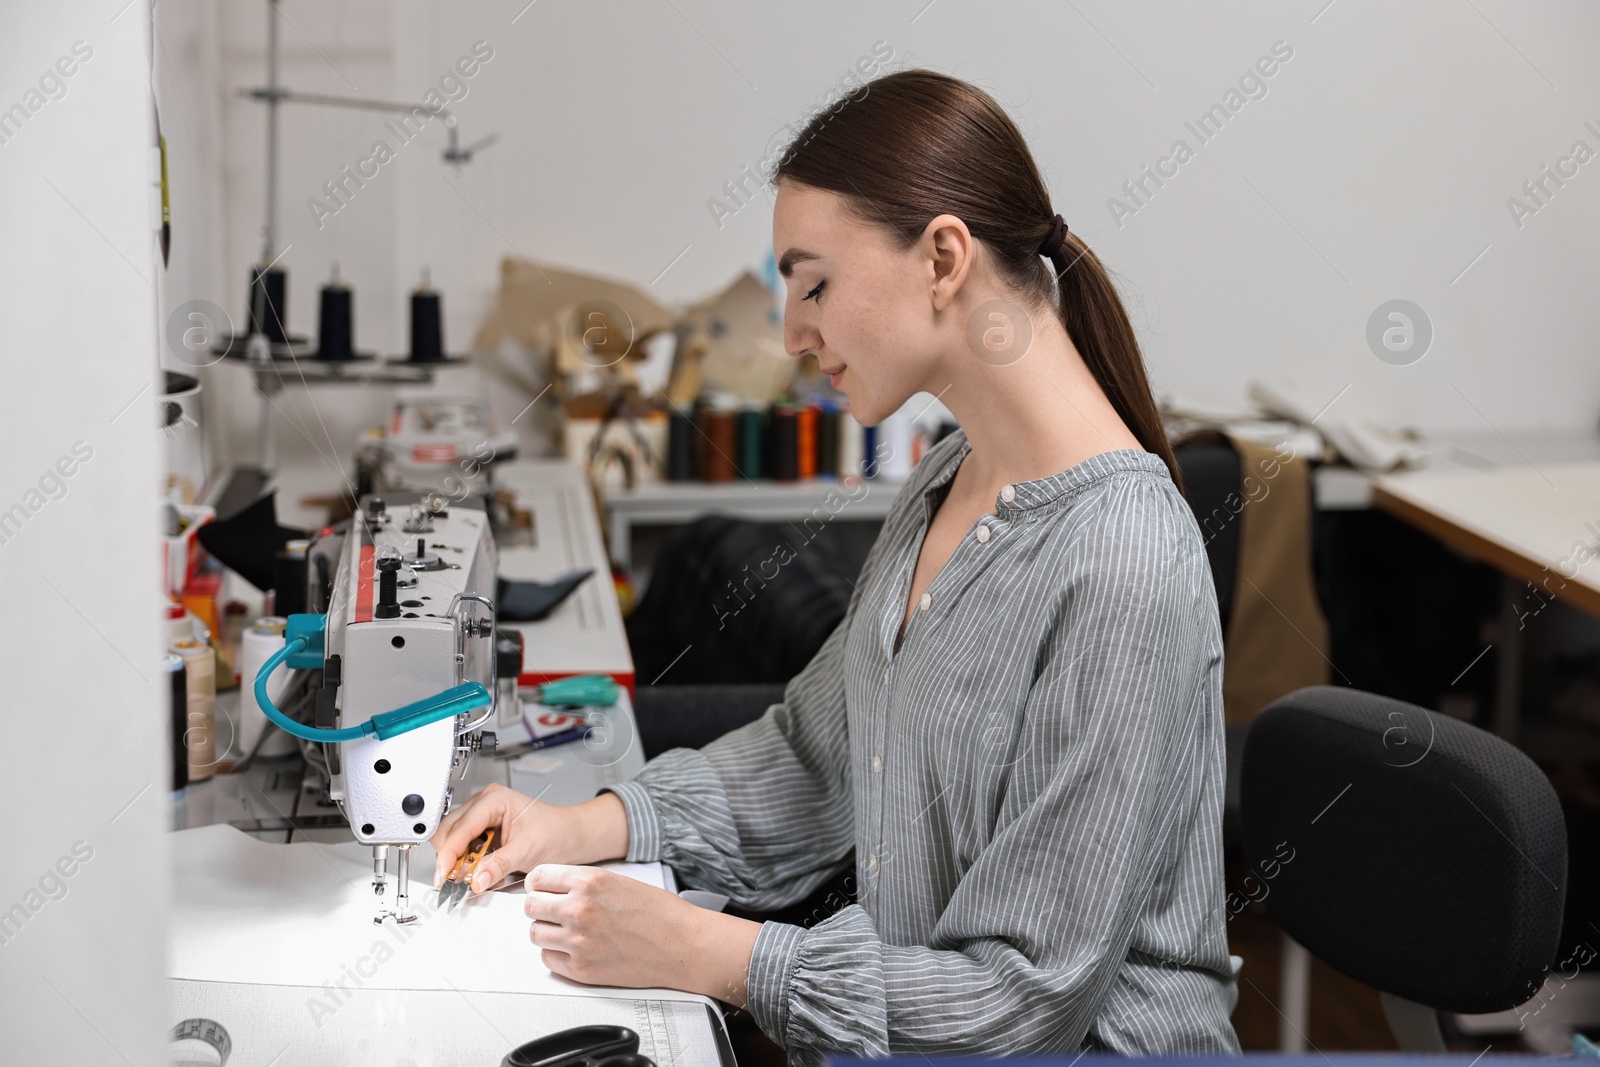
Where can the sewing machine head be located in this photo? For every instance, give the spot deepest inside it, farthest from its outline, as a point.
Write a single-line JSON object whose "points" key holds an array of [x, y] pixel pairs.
{"points": [[411, 615]]}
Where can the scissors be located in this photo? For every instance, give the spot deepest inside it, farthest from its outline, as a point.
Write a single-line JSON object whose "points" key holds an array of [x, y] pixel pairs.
{"points": [[581, 1046], [459, 880]]}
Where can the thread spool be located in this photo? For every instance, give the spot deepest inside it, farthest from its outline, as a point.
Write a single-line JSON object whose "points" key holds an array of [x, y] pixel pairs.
{"points": [[895, 446], [681, 438], [258, 644], [177, 717], [200, 718], [335, 321], [427, 324], [869, 451], [751, 441], [269, 309], [852, 440], [721, 444], [702, 411], [806, 442], [828, 442], [785, 444]]}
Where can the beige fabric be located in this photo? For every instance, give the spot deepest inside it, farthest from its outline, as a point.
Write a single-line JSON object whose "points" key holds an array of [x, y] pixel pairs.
{"points": [[1277, 636]]}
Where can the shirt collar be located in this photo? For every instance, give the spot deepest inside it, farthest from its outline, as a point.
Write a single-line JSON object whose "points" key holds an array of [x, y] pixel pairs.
{"points": [[1041, 493]]}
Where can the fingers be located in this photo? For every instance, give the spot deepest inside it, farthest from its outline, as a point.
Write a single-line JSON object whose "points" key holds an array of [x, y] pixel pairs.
{"points": [[492, 870], [461, 827], [558, 962], [551, 935], [558, 877], [556, 908]]}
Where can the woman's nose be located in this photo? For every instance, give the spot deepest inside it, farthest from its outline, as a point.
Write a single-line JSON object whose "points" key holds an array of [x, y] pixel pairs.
{"points": [[799, 336]]}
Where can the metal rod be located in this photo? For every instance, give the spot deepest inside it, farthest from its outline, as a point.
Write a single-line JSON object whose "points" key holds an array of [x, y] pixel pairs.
{"points": [[402, 894], [269, 250], [380, 868], [272, 94], [1294, 989]]}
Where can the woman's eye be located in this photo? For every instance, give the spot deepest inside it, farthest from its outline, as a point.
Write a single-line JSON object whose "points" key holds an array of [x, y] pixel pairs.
{"points": [[814, 293]]}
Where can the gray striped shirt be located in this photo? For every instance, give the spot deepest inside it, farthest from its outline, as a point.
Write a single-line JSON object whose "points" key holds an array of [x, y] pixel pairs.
{"points": [[1032, 786]]}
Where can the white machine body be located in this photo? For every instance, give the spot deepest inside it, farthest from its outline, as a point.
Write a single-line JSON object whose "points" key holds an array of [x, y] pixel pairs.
{"points": [[395, 791]]}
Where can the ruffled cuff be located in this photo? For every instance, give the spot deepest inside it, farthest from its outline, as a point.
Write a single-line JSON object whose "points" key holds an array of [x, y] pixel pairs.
{"points": [[644, 825], [821, 991], [772, 963]]}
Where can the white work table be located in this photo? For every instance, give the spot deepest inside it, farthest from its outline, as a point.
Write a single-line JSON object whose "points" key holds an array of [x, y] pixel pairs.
{"points": [[1540, 525], [462, 1003], [263, 850], [276, 944], [1528, 506], [585, 633]]}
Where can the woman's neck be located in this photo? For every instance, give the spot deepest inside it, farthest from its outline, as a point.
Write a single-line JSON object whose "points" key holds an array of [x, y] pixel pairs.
{"points": [[1032, 418]]}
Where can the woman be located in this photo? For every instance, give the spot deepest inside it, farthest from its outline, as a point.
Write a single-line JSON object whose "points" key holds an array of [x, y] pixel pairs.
{"points": [[1017, 727]]}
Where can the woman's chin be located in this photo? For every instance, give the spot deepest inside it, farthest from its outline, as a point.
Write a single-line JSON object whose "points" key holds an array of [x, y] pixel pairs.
{"points": [[868, 411]]}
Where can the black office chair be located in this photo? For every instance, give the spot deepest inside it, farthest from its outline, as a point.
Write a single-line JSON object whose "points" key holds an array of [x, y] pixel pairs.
{"points": [[1415, 853], [1212, 478]]}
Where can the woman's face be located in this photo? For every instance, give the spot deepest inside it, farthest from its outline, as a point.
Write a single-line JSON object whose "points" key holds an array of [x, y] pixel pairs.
{"points": [[862, 307]]}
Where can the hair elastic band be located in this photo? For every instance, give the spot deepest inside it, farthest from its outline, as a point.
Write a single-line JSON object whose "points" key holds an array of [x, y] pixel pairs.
{"points": [[1057, 237]]}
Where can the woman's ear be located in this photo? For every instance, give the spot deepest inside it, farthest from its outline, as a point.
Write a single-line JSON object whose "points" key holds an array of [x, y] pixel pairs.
{"points": [[949, 247]]}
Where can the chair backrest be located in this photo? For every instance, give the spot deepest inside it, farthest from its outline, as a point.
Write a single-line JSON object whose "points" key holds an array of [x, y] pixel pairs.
{"points": [[1415, 853], [1211, 482]]}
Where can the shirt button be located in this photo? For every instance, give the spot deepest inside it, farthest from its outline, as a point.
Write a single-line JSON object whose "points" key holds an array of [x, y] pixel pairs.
{"points": [[983, 534], [1008, 493], [886, 676], [872, 862], [926, 602], [877, 764]]}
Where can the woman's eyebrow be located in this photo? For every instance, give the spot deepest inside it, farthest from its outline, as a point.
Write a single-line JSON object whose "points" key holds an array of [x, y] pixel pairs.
{"points": [[791, 257]]}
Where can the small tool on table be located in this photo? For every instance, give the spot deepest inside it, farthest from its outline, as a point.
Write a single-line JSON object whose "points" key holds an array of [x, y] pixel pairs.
{"points": [[459, 880], [577, 690]]}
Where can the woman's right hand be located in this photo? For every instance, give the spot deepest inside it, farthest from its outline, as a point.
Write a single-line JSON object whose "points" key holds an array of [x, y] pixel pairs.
{"points": [[529, 832]]}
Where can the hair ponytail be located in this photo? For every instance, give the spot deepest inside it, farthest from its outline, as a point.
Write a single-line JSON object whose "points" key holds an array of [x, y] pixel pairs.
{"points": [[917, 144], [1099, 327]]}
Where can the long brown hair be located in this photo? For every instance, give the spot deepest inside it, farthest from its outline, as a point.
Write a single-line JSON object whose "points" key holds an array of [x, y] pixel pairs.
{"points": [[916, 144]]}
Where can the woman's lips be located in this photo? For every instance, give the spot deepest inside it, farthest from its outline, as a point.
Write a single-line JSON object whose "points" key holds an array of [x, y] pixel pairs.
{"points": [[834, 376]]}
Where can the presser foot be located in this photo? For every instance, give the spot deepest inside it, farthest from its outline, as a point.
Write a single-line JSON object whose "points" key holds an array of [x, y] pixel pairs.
{"points": [[384, 915], [401, 913]]}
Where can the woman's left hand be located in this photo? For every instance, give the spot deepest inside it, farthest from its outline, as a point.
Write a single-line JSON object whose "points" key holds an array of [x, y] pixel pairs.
{"points": [[602, 928]]}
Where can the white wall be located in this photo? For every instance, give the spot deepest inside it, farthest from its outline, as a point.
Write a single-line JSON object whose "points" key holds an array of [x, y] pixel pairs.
{"points": [[83, 774], [1377, 166]]}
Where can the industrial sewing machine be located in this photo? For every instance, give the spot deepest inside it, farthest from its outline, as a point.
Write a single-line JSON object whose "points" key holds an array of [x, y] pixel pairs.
{"points": [[407, 654]]}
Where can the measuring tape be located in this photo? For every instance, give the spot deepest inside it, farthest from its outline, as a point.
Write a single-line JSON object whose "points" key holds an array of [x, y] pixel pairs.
{"points": [[208, 1031]]}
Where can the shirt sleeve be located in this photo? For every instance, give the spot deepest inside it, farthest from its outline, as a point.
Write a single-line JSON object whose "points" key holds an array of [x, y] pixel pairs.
{"points": [[762, 814], [1029, 948]]}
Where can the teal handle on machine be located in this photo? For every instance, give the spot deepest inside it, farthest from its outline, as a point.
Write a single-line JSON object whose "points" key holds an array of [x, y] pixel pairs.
{"points": [[305, 645]]}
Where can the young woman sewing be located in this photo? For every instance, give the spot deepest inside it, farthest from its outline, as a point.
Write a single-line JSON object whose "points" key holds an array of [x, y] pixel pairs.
{"points": [[1017, 727]]}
